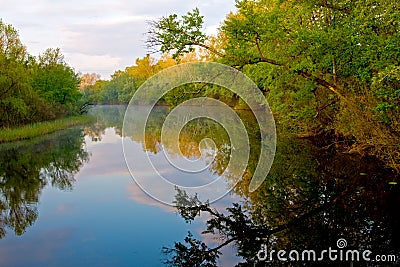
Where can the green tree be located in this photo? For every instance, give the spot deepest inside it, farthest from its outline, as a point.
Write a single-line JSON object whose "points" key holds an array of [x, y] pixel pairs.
{"points": [[33, 90], [322, 64], [54, 80], [19, 103], [181, 35]]}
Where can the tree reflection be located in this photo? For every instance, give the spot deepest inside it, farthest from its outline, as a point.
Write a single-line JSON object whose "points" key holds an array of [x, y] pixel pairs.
{"points": [[311, 198], [106, 116], [192, 134], [27, 167]]}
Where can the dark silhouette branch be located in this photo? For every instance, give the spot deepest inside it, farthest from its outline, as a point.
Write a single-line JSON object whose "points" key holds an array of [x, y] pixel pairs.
{"points": [[254, 230], [321, 82], [13, 83], [154, 41]]}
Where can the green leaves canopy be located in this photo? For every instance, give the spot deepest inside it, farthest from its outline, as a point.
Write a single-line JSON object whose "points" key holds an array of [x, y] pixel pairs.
{"points": [[321, 64], [33, 90], [180, 35]]}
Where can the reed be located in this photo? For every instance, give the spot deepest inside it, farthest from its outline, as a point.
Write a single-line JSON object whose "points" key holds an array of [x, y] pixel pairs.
{"points": [[41, 128]]}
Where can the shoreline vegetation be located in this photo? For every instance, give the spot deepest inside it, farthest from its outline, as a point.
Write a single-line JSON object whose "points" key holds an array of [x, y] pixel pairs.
{"points": [[328, 72], [33, 130]]}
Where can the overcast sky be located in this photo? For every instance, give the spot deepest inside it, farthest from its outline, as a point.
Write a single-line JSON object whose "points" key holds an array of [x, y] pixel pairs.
{"points": [[99, 35]]}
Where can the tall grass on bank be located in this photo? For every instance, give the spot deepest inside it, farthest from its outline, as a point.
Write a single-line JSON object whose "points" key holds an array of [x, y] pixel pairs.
{"points": [[40, 128]]}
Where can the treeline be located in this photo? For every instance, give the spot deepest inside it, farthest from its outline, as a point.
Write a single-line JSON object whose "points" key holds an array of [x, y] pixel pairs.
{"points": [[34, 89], [322, 65], [123, 84]]}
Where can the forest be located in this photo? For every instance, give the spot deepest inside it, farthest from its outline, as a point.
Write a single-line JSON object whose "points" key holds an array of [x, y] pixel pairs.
{"points": [[323, 66]]}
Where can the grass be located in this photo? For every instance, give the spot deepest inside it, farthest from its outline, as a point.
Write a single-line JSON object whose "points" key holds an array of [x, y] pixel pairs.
{"points": [[41, 128]]}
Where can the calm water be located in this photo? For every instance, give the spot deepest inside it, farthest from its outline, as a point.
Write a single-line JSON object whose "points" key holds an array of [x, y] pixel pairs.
{"points": [[68, 199]]}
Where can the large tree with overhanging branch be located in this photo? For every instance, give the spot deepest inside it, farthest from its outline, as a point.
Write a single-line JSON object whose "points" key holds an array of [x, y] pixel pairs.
{"points": [[321, 64]]}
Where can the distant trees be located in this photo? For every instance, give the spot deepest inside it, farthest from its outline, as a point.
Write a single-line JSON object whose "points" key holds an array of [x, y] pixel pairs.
{"points": [[33, 89], [88, 79], [123, 84]]}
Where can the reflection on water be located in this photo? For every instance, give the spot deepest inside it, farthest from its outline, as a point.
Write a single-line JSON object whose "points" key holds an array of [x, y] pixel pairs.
{"points": [[171, 155], [27, 167], [318, 196], [313, 196]]}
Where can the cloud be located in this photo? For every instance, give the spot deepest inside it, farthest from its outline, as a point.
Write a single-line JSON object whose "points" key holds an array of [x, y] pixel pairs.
{"points": [[106, 158], [139, 196], [99, 35], [50, 241], [102, 64]]}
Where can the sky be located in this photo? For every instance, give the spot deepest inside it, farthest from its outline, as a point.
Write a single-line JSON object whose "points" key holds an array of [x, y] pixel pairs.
{"points": [[99, 36]]}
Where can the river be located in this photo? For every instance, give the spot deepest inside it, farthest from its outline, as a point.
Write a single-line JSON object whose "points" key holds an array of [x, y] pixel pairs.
{"points": [[68, 199]]}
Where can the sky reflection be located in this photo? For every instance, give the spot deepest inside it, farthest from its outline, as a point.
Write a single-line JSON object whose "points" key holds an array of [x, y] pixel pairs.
{"points": [[105, 220]]}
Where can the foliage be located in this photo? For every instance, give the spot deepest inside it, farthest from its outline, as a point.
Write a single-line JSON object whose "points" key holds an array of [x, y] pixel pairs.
{"points": [[180, 35], [123, 84], [31, 89], [54, 80], [40, 128], [322, 64]]}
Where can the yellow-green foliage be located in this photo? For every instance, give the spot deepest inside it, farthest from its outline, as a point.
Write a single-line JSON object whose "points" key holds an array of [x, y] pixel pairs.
{"points": [[40, 128]]}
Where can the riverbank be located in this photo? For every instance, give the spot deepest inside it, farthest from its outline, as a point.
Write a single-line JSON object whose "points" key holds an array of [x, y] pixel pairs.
{"points": [[41, 128]]}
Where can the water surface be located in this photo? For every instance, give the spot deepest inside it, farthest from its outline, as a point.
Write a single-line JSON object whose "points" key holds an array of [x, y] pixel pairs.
{"points": [[68, 199]]}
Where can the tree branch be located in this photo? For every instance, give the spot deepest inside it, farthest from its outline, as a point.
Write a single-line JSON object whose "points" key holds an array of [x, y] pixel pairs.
{"points": [[227, 242], [321, 82], [13, 83], [191, 41]]}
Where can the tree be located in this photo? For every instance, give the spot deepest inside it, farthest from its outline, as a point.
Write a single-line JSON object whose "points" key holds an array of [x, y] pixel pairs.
{"points": [[19, 103], [33, 89], [181, 35], [321, 64], [55, 80], [10, 44], [88, 79]]}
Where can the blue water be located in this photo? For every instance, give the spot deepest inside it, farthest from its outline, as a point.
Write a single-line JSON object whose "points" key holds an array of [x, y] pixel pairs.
{"points": [[104, 220], [68, 199]]}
